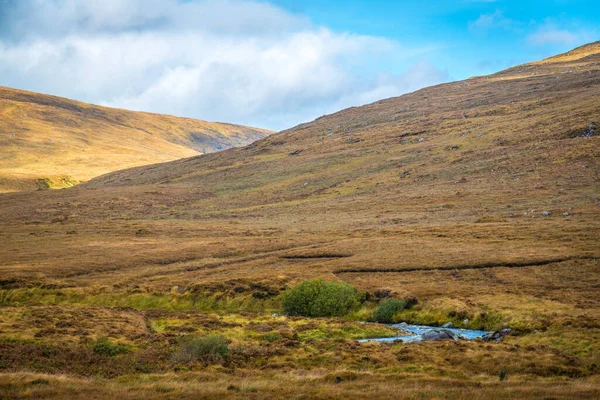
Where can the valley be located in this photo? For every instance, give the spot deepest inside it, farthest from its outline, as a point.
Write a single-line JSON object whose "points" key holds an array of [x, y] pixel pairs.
{"points": [[477, 202]]}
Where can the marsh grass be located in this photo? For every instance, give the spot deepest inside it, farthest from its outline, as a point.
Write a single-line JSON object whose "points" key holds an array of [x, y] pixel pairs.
{"points": [[207, 349], [104, 346], [139, 301], [233, 216], [387, 309]]}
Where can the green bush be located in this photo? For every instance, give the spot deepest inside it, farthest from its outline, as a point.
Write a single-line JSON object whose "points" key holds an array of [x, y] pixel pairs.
{"points": [[318, 298], [104, 346], [502, 374], [272, 337], [208, 349], [387, 309]]}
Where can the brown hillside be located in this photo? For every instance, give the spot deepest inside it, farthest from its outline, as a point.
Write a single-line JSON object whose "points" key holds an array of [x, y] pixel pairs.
{"points": [[489, 152], [522, 139], [480, 199], [48, 141]]}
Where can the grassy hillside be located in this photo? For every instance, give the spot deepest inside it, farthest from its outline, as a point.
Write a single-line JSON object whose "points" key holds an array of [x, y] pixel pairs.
{"points": [[47, 141], [480, 199]]}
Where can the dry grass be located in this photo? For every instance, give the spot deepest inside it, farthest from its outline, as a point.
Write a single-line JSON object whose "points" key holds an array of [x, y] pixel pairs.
{"points": [[51, 142], [317, 385], [205, 245]]}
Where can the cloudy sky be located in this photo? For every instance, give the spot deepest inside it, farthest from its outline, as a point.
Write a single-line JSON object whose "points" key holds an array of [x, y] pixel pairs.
{"points": [[272, 64]]}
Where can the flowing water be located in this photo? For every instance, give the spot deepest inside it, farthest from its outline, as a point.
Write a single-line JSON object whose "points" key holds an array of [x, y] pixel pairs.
{"points": [[413, 333]]}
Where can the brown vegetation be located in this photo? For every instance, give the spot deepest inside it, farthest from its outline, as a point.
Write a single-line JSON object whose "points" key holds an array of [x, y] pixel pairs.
{"points": [[206, 245], [51, 142]]}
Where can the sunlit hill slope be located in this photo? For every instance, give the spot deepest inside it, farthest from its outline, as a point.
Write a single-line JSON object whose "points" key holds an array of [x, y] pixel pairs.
{"points": [[477, 201], [48, 141]]}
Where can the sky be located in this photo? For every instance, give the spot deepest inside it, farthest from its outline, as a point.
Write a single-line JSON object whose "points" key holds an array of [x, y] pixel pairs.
{"points": [[272, 64]]}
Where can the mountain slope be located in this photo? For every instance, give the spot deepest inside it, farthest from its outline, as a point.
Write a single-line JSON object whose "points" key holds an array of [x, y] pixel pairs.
{"points": [[54, 141], [498, 149], [478, 199], [521, 134]]}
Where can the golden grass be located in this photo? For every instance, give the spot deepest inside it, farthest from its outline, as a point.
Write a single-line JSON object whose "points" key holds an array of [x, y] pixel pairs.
{"points": [[317, 385], [60, 141], [207, 244]]}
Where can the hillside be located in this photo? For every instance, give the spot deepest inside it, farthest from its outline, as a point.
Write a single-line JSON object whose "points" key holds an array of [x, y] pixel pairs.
{"points": [[477, 200], [48, 141], [498, 145]]}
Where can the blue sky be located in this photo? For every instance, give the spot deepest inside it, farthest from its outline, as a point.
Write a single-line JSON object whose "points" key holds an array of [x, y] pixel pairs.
{"points": [[272, 64], [469, 37]]}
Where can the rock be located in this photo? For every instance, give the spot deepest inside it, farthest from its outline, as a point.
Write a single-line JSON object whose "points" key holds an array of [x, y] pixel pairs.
{"points": [[589, 131], [545, 213], [505, 332], [466, 321], [492, 336], [566, 214], [421, 139], [448, 325], [436, 334], [496, 335]]}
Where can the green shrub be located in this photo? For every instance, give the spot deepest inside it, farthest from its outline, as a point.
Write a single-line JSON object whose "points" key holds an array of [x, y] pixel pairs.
{"points": [[387, 309], [272, 337], [318, 298], [502, 374], [208, 349], [104, 346]]}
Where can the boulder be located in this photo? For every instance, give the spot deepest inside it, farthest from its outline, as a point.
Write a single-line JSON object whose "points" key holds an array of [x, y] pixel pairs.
{"points": [[496, 335], [402, 325], [589, 131], [505, 332], [492, 336], [436, 335], [448, 325]]}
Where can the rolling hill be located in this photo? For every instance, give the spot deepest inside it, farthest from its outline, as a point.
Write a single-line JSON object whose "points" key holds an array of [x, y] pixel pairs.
{"points": [[48, 141], [479, 200]]}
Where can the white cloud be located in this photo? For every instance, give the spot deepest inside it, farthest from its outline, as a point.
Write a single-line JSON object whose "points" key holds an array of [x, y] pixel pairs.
{"points": [[556, 36], [238, 61], [551, 34], [495, 20]]}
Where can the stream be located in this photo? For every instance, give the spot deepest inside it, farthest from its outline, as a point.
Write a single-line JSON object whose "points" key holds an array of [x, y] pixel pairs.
{"points": [[414, 333]]}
